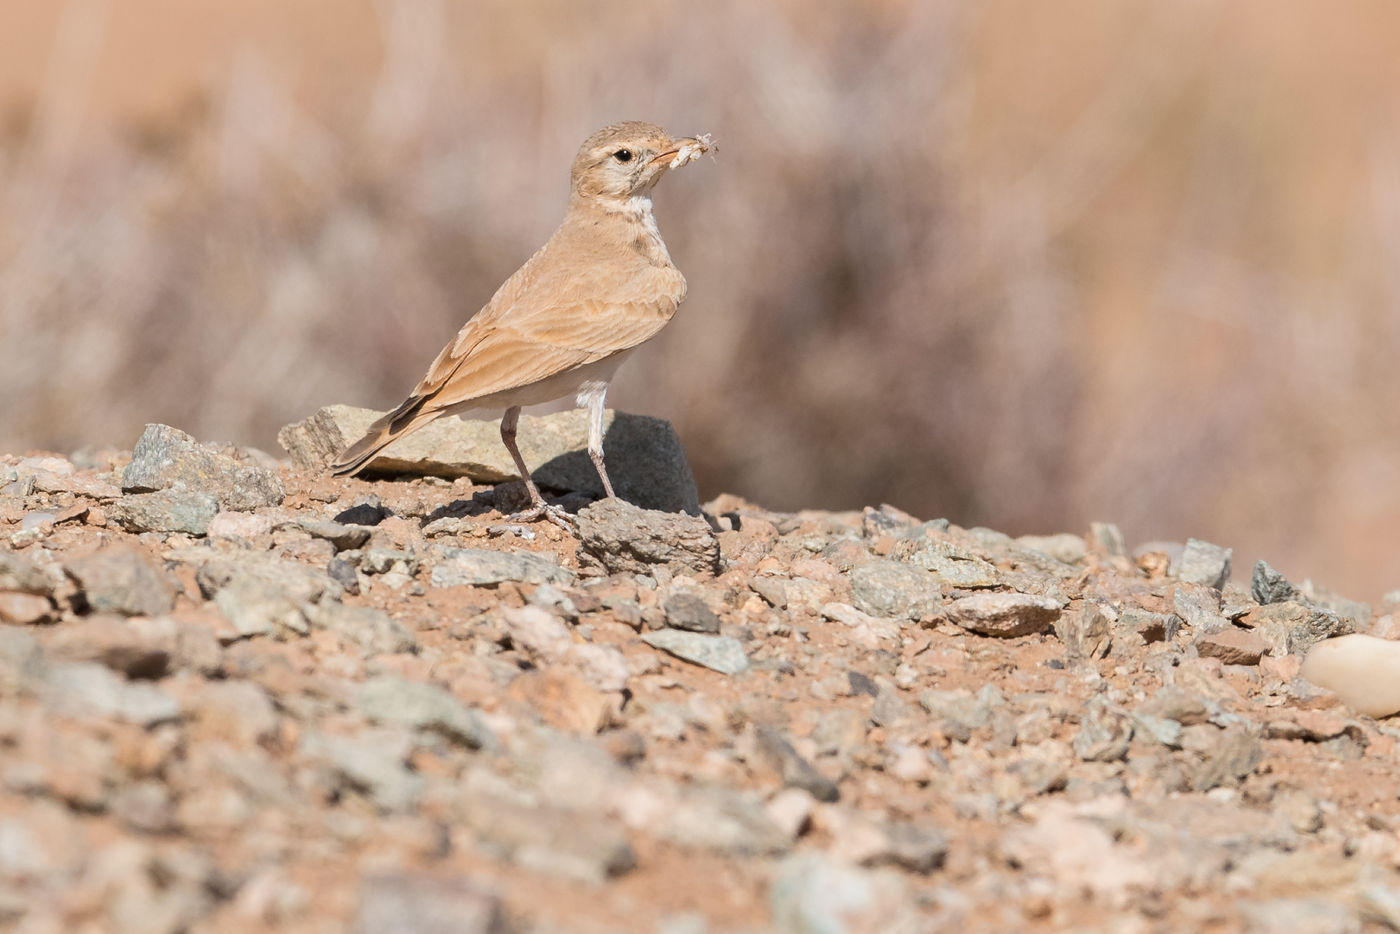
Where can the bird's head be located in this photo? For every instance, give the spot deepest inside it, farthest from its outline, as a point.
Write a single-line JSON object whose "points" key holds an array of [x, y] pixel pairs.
{"points": [[626, 159]]}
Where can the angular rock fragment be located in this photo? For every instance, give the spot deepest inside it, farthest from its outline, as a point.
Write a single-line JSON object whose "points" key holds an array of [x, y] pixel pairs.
{"points": [[895, 590], [814, 893], [689, 611], [1292, 628], [1005, 615], [1086, 632], [372, 762], [626, 539], [482, 567], [795, 771], [373, 630], [419, 903], [1204, 563], [868, 841], [644, 456], [18, 573], [1104, 733], [391, 699], [89, 690], [956, 567], [718, 653], [185, 511], [123, 580], [342, 535], [1233, 646], [1225, 755], [167, 458], [1267, 585]]}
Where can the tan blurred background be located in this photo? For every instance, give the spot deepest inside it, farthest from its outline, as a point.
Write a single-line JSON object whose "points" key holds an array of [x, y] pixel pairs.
{"points": [[1016, 263]]}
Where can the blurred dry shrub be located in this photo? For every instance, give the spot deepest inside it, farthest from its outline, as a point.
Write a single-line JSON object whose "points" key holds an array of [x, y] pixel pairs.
{"points": [[1016, 263]]}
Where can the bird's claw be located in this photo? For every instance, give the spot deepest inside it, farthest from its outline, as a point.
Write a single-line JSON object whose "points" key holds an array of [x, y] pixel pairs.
{"points": [[555, 514]]}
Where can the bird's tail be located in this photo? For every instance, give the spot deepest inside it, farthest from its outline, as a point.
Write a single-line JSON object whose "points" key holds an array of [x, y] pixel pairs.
{"points": [[408, 417]]}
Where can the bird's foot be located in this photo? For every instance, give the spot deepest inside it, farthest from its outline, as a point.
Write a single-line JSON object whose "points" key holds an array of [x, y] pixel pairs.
{"points": [[555, 514]]}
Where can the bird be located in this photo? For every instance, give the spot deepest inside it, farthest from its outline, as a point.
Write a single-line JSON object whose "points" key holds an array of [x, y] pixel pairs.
{"points": [[602, 285]]}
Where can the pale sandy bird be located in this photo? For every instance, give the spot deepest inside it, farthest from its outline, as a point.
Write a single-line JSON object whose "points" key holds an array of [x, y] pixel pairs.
{"points": [[603, 284]]}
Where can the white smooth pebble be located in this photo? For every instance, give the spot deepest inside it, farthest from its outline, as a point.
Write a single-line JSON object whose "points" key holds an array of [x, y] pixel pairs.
{"points": [[1362, 670]]}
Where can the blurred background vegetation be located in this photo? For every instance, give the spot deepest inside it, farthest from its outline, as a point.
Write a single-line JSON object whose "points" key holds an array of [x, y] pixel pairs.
{"points": [[1017, 263]]}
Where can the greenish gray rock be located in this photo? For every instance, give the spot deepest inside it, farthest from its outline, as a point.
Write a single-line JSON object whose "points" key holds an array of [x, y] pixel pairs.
{"points": [[718, 653], [894, 590], [167, 458], [483, 567], [395, 700], [1291, 628], [185, 511], [956, 567]]}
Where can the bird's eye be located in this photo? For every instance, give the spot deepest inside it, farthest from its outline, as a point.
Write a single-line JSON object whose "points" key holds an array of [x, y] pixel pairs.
{"points": [[623, 155]]}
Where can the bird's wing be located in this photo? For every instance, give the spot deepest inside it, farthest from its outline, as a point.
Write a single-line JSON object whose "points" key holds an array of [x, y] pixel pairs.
{"points": [[507, 351]]}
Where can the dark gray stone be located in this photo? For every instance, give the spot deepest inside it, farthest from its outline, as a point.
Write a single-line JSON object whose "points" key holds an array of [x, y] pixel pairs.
{"points": [[1267, 585], [625, 538], [795, 771], [367, 511], [718, 653], [339, 534], [122, 580], [689, 611], [167, 458], [185, 511]]}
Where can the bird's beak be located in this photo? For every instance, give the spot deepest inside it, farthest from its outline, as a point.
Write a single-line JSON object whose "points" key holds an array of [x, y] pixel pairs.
{"points": [[683, 150]]}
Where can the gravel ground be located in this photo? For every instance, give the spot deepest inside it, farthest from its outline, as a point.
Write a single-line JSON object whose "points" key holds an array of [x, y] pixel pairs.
{"points": [[238, 695]]}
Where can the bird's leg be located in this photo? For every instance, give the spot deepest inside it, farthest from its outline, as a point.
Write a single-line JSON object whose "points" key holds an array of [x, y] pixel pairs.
{"points": [[538, 508], [595, 438]]}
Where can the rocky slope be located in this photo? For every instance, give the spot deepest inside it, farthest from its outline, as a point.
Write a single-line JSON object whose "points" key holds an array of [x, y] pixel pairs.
{"points": [[237, 695]]}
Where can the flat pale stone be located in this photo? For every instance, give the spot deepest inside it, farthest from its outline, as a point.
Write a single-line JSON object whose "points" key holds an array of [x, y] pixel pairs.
{"points": [[1362, 670], [643, 455]]}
